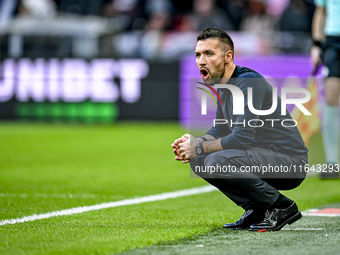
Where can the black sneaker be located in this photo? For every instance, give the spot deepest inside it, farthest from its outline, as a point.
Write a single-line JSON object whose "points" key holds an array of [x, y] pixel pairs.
{"points": [[248, 218], [276, 219], [331, 172]]}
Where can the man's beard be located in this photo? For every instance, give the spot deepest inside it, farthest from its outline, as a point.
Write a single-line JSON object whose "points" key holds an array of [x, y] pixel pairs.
{"points": [[216, 77]]}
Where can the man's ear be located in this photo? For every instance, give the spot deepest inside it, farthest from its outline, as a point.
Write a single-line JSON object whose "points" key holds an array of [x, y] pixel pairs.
{"points": [[228, 56]]}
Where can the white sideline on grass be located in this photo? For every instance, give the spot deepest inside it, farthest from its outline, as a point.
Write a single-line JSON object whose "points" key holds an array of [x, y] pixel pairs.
{"points": [[133, 201], [313, 212]]}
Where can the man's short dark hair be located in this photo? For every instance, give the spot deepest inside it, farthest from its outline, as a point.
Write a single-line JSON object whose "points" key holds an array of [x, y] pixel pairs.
{"points": [[214, 32]]}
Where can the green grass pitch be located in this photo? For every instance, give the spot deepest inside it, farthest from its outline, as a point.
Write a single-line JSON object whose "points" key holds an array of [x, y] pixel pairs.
{"points": [[45, 167]]}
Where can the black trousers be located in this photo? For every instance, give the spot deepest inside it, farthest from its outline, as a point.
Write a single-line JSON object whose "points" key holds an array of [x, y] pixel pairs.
{"points": [[331, 55], [251, 178]]}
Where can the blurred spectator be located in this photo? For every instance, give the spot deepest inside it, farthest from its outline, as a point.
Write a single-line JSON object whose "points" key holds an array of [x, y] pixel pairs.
{"points": [[7, 10], [146, 38], [44, 9], [184, 23], [235, 10], [129, 10], [82, 7], [257, 20], [296, 17], [181, 6], [152, 39], [116, 7], [152, 12], [159, 13], [158, 21], [158, 6], [277, 7], [206, 14]]}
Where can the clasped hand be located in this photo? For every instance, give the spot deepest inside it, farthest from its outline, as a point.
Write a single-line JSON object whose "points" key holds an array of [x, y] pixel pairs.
{"points": [[184, 148]]}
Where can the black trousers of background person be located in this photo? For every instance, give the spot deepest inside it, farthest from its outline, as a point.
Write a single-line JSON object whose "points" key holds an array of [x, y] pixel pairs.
{"points": [[248, 189]]}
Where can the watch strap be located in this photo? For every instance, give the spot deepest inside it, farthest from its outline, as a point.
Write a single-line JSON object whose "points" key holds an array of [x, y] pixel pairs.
{"points": [[203, 138], [201, 150]]}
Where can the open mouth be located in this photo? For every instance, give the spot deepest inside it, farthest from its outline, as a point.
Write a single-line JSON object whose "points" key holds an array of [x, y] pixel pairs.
{"points": [[204, 73]]}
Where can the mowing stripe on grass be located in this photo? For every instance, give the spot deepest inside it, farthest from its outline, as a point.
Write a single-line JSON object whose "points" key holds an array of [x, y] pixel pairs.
{"points": [[46, 195], [133, 201], [53, 195]]}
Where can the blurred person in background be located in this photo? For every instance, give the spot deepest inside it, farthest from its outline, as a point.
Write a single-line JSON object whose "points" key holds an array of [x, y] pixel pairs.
{"points": [[235, 10], [295, 17], [82, 7], [30, 21], [153, 35], [257, 20], [7, 11], [129, 9], [149, 19], [43, 9], [206, 14], [326, 49], [159, 14], [258, 26]]}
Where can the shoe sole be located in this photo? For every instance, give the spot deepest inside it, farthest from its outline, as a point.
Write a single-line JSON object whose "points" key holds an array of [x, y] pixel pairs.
{"points": [[289, 221]]}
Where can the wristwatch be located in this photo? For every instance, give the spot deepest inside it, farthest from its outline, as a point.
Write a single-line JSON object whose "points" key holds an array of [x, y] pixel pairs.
{"points": [[199, 148]]}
